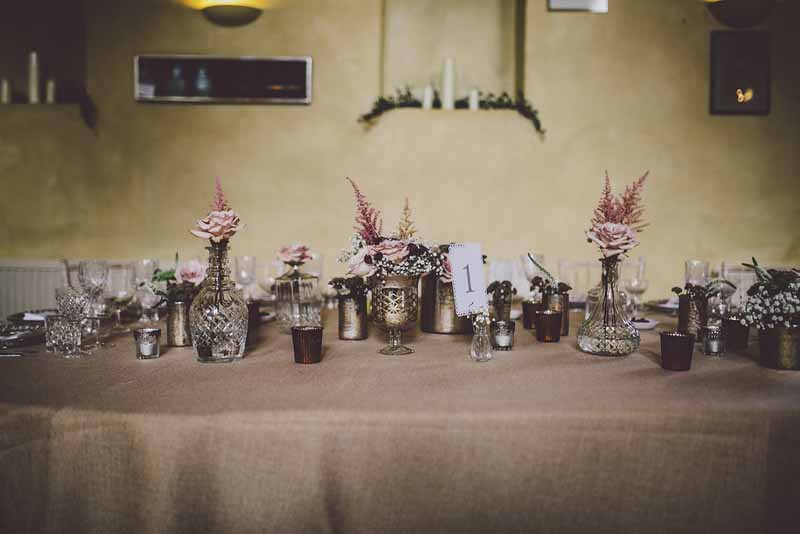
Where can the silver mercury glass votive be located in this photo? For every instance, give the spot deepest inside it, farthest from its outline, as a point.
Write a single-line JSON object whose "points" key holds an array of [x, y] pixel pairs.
{"points": [[503, 335], [713, 341], [147, 343]]}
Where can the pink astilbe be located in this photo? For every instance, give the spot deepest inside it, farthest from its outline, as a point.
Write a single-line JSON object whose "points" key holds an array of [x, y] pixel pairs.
{"points": [[630, 204], [219, 203], [606, 210], [368, 219]]}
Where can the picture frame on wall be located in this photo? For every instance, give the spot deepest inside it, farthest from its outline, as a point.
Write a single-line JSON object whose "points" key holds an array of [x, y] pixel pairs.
{"points": [[740, 73], [594, 6]]}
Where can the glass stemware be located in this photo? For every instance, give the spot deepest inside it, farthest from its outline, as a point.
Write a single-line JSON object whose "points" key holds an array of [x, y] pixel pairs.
{"points": [[636, 285], [143, 272], [93, 278], [119, 293], [696, 272]]}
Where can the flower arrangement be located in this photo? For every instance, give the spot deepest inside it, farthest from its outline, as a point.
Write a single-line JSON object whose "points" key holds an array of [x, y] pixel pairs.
{"points": [[617, 219], [547, 285], [180, 284], [774, 300], [221, 222], [295, 254], [373, 254]]}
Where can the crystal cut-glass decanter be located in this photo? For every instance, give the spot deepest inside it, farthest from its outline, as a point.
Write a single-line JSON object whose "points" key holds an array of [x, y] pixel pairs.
{"points": [[298, 298], [607, 331], [218, 316]]}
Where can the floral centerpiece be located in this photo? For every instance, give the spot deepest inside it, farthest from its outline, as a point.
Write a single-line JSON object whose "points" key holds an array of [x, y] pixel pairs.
{"points": [[773, 307], [693, 304], [218, 315], [391, 265], [615, 225], [178, 287]]}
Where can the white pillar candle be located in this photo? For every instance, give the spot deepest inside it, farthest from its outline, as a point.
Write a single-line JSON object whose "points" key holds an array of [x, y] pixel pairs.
{"points": [[427, 98], [33, 78], [448, 85], [5, 91], [474, 100], [50, 91]]}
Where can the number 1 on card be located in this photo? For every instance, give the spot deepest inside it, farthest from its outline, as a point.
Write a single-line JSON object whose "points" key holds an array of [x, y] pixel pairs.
{"points": [[469, 286]]}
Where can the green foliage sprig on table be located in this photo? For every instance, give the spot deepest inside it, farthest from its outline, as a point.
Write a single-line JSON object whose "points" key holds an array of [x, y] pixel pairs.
{"points": [[405, 99]]}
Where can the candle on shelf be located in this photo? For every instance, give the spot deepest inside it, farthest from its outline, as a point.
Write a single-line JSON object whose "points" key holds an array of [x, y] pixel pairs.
{"points": [[474, 100], [33, 78], [448, 85], [5, 91], [50, 91], [427, 98]]}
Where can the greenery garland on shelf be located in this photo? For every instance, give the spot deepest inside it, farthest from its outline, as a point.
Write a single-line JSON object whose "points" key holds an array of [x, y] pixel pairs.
{"points": [[405, 99]]}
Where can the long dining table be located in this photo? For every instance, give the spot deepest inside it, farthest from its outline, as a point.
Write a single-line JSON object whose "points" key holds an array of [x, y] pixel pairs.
{"points": [[543, 438]]}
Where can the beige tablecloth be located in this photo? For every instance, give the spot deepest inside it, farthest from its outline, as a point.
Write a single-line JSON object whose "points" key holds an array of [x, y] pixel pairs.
{"points": [[542, 439]]}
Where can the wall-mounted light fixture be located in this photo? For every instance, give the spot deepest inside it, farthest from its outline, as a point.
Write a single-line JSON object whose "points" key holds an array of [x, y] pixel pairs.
{"points": [[229, 12]]}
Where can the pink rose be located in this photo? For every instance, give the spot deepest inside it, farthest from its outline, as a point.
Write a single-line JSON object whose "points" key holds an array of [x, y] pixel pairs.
{"points": [[359, 265], [393, 250], [612, 238], [296, 253], [190, 271], [447, 270], [218, 226]]}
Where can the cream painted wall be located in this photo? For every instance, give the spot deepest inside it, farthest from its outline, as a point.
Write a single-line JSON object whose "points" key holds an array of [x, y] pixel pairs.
{"points": [[626, 91]]}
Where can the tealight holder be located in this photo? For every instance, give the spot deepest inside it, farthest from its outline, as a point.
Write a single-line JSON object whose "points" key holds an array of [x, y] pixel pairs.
{"points": [[148, 344], [676, 351], [548, 326], [307, 343], [529, 309], [735, 333], [503, 335], [713, 341]]}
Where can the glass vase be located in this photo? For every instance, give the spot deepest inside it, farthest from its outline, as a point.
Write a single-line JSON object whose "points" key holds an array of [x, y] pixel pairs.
{"points": [[298, 298], [607, 331], [218, 315], [480, 350], [395, 302]]}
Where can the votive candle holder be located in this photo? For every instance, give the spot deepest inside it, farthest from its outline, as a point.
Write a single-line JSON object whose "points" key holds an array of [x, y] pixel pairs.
{"points": [[307, 343], [736, 334], [148, 343], [676, 351], [713, 341], [503, 335], [548, 326]]}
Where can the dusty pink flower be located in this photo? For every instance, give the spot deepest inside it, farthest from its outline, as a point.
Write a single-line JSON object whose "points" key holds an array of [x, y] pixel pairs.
{"points": [[218, 225], [192, 271], [361, 264], [447, 270], [393, 250], [295, 253], [612, 238]]}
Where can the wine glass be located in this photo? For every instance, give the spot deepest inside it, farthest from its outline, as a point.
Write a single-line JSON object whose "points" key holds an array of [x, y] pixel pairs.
{"points": [[636, 285], [93, 278], [143, 270], [696, 272], [119, 293]]}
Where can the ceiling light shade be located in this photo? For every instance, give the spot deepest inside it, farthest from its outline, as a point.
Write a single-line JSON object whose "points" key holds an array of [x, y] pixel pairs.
{"points": [[231, 14]]}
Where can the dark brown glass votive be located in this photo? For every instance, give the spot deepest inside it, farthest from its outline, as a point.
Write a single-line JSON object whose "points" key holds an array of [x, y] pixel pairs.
{"points": [[676, 351], [253, 319], [307, 341], [548, 326], [529, 310], [736, 334]]}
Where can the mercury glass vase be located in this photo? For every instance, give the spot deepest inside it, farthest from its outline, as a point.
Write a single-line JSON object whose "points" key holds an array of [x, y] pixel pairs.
{"points": [[218, 315], [607, 331], [395, 300], [299, 302]]}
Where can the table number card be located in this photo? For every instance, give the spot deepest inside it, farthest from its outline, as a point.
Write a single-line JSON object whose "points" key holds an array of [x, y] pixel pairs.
{"points": [[469, 284]]}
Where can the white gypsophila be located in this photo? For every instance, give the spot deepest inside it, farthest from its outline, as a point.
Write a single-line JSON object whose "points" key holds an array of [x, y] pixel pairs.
{"points": [[356, 243], [765, 311]]}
